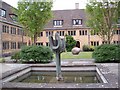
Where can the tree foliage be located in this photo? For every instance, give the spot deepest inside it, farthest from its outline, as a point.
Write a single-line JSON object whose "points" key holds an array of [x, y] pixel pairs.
{"points": [[70, 43], [102, 18], [33, 16], [119, 9]]}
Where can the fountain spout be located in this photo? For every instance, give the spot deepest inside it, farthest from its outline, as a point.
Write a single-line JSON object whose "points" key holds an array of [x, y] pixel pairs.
{"points": [[57, 46]]}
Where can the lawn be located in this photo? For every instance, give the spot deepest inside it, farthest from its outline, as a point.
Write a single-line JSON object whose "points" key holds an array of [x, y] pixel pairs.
{"points": [[81, 55]]}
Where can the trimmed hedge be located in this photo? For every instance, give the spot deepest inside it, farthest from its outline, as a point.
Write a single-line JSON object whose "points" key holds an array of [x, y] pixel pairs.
{"points": [[107, 53], [34, 54]]}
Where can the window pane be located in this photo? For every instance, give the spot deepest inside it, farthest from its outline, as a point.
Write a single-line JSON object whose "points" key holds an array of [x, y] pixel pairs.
{"points": [[3, 13], [57, 22], [77, 21], [46, 34], [80, 32], [74, 32], [83, 32]]}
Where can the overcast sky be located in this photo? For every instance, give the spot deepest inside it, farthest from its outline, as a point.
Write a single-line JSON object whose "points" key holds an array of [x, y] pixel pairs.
{"points": [[57, 4]]}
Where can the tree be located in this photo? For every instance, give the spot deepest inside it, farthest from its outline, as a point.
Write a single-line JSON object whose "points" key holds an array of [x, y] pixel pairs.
{"points": [[70, 43], [119, 12], [102, 18], [33, 16], [119, 9]]}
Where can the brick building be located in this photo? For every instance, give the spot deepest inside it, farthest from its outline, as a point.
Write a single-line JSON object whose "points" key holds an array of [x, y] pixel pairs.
{"points": [[73, 22], [65, 22], [11, 33]]}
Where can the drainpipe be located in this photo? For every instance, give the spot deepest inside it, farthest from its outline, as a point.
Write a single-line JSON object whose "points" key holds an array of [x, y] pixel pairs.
{"points": [[89, 38], [22, 36], [0, 40], [0, 32]]}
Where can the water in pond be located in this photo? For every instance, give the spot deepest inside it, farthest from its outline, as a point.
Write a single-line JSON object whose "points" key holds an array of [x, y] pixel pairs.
{"points": [[49, 77]]}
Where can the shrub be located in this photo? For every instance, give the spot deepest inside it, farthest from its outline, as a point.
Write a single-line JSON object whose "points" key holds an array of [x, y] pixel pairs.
{"points": [[107, 53], [16, 56], [85, 48], [88, 48], [91, 48], [70, 43], [36, 54], [2, 60]]}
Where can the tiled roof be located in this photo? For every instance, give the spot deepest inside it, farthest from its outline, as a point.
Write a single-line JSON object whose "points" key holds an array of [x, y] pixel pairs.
{"points": [[67, 16], [8, 9]]}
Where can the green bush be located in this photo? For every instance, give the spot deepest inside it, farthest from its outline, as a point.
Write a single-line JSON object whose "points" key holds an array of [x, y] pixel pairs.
{"points": [[85, 48], [2, 60], [107, 53], [16, 56], [36, 54], [91, 48], [70, 43], [88, 48]]}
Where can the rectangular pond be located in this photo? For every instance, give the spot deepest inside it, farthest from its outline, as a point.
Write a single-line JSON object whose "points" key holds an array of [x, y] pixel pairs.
{"points": [[50, 77]]}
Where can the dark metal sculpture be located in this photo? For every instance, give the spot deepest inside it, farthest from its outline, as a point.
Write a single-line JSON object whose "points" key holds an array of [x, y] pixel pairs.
{"points": [[58, 46]]}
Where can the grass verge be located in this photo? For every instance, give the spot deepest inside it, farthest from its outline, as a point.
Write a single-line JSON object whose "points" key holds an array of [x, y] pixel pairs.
{"points": [[81, 55]]}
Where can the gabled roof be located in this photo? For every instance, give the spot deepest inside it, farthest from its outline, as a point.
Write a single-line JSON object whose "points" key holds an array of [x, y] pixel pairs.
{"points": [[9, 11], [67, 16]]}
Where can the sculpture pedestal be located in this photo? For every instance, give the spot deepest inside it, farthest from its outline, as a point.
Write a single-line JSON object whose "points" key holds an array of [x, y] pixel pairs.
{"points": [[58, 67], [59, 77]]}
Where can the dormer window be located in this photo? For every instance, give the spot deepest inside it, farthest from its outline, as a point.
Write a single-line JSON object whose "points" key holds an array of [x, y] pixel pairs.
{"points": [[77, 21], [13, 17], [57, 22], [2, 13]]}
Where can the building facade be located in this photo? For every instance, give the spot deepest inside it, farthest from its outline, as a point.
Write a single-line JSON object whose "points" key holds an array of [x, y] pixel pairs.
{"points": [[73, 22], [12, 36], [64, 22]]}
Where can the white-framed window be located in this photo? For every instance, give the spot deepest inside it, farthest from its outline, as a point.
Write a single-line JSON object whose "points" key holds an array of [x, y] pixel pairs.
{"points": [[83, 32], [5, 29], [13, 30], [39, 44], [77, 21], [116, 42], [49, 33], [5, 45], [57, 22], [72, 33], [19, 45], [13, 45], [94, 43], [61, 33], [117, 32], [3, 13], [20, 31], [41, 34], [47, 43]]}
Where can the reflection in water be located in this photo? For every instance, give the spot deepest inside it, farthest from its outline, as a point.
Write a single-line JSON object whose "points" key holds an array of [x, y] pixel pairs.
{"points": [[49, 77]]}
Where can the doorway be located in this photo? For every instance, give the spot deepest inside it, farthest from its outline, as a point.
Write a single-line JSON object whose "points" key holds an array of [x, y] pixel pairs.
{"points": [[78, 44]]}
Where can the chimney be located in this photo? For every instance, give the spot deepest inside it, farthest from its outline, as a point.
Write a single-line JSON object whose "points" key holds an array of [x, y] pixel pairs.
{"points": [[76, 5]]}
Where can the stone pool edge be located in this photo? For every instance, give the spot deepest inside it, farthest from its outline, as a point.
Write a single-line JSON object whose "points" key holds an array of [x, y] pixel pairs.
{"points": [[111, 78]]}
